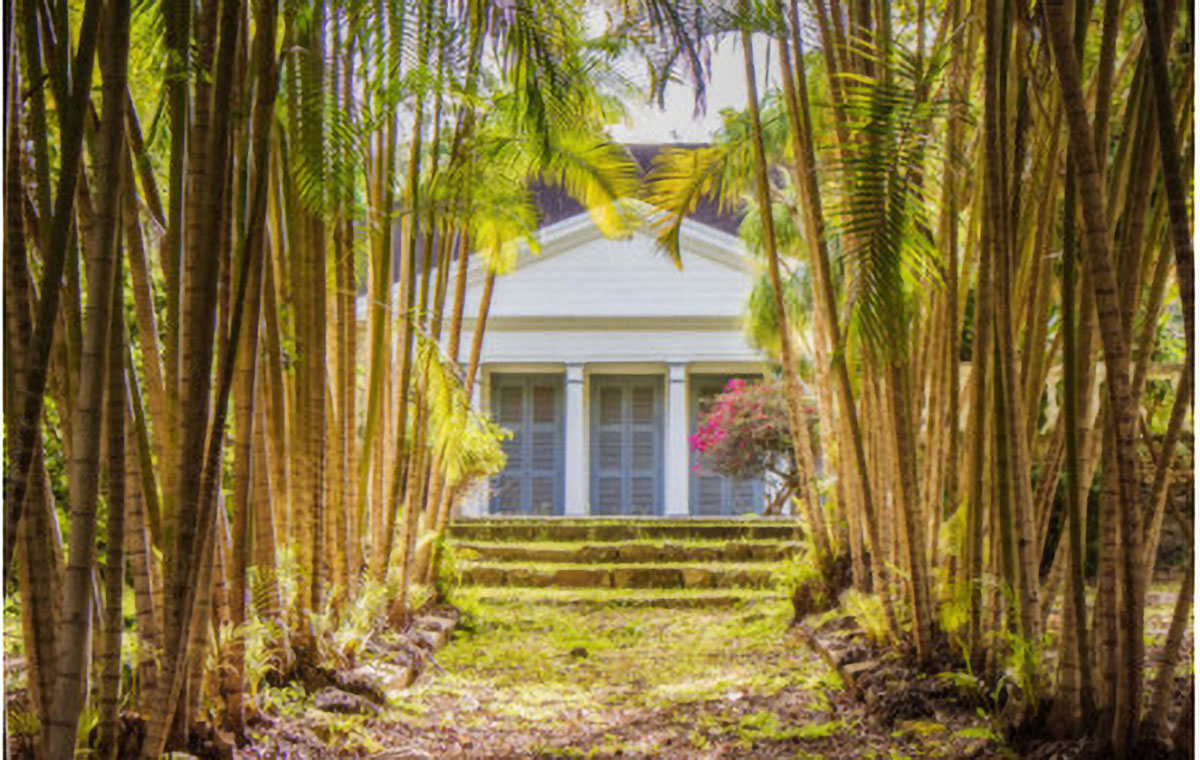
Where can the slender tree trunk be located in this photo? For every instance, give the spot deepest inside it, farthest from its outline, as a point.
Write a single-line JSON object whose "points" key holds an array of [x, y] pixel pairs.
{"points": [[485, 302], [1116, 358], [196, 491], [139, 552], [276, 394], [1168, 150], [801, 124], [75, 627], [790, 381], [396, 498], [246, 369], [55, 260], [147, 328], [114, 579], [1077, 679], [1162, 475]]}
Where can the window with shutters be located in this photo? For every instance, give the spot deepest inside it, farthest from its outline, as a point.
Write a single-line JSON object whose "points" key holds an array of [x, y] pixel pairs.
{"points": [[709, 493], [627, 444], [531, 407]]}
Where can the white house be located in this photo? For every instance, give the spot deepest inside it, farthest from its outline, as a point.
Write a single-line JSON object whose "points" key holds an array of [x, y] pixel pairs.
{"points": [[596, 355]]}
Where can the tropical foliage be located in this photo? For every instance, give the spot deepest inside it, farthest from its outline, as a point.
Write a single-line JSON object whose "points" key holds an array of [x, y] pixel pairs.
{"points": [[998, 184], [263, 425], [238, 238]]}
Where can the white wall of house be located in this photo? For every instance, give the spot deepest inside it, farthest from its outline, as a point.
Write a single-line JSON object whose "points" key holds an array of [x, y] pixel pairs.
{"points": [[589, 306]]}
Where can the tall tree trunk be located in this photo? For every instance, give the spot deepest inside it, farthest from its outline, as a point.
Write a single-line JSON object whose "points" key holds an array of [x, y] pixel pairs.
{"points": [[75, 627], [139, 551], [410, 234], [1116, 359], [114, 579], [801, 128], [246, 369], [38, 555], [55, 259], [147, 328], [1168, 151], [196, 492], [790, 381], [1077, 679]]}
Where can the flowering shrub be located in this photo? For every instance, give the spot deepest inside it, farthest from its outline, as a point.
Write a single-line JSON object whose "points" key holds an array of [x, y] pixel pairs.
{"points": [[744, 432]]}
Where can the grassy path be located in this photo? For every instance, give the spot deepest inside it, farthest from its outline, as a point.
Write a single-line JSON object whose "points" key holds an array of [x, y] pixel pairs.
{"points": [[525, 680], [522, 679]]}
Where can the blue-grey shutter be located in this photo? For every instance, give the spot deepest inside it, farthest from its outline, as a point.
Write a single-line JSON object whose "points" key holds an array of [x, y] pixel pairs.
{"points": [[645, 472], [509, 405], [533, 479], [709, 493], [627, 457], [607, 455], [545, 445]]}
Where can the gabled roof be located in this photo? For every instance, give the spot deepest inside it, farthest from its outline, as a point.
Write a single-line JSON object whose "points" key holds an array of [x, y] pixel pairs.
{"points": [[555, 204]]}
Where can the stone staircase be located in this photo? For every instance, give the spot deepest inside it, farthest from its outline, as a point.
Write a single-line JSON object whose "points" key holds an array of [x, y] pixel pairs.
{"points": [[680, 562]]}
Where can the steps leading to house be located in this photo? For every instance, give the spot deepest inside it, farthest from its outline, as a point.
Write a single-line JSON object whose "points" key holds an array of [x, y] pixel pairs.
{"points": [[621, 529], [609, 597], [633, 562]]}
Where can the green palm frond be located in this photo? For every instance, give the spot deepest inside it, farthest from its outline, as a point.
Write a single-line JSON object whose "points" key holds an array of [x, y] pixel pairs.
{"points": [[595, 171], [789, 239], [467, 442], [538, 53], [723, 171], [883, 211], [500, 217], [673, 37], [761, 322], [680, 179]]}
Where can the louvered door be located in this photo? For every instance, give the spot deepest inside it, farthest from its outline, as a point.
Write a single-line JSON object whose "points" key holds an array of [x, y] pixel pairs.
{"points": [[627, 444], [531, 406], [709, 493]]}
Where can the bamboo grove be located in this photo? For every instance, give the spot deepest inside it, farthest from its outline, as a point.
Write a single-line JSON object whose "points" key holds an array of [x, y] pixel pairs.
{"points": [[1000, 182], [237, 243], [238, 238]]}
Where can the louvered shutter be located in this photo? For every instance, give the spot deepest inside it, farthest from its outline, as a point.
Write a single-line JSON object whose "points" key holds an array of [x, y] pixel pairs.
{"points": [[532, 482], [545, 446], [643, 449], [607, 455], [626, 459], [709, 493]]}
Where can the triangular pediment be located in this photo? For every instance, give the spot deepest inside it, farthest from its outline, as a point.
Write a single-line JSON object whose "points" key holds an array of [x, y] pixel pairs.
{"points": [[579, 274]]}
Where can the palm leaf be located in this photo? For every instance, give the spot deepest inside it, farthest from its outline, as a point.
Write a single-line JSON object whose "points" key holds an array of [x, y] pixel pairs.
{"points": [[883, 211]]}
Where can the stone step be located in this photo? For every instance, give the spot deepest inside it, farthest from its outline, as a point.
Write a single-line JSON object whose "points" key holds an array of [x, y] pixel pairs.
{"points": [[662, 575], [607, 597], [498, 529], [627, 551]]}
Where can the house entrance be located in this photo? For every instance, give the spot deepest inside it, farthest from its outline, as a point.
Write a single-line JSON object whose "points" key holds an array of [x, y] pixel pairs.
{"points": [[627, 444], [532, 482]]}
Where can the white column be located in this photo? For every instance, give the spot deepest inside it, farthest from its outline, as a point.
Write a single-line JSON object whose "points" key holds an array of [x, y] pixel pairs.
{"points": [[575, 440], [676, 453], [476, 502]]}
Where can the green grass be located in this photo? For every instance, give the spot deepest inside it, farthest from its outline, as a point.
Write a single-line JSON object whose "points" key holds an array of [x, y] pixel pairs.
{"points": [[551, 567], [750, 517], [686, 541], [606, 597], [528, 658]]}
